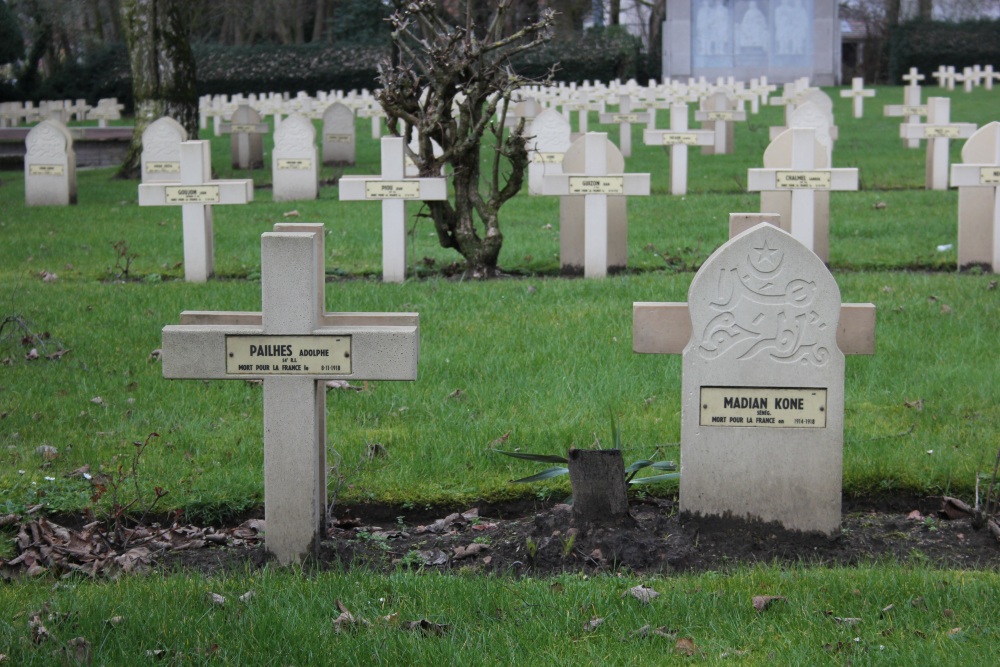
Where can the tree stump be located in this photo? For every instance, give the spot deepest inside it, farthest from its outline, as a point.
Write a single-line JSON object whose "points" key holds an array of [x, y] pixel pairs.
{"points": [[598, 481]]}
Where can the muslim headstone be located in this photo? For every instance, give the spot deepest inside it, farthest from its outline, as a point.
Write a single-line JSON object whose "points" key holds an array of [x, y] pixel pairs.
{"points": [[161, 151], [338, 135], [551, 133], [763, 337], [294, 160], [246, 137], [978, 181], [49, 166]]}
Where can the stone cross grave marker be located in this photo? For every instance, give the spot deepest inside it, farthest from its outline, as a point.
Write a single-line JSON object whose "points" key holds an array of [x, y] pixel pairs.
{"points": [[294, 346], [393, 188], [161, 151], [938, 131], [911, 109], [106, 109], [858, 92], [718, 112], [376, 114], [677, 138], [763, 337], [913, 77], [778, 154], [196, 193], [338, 135], [295, 160], [246, 137], [978, 183], [49, 166], [551, 139], [988, 76], [583, 105], [803, 180], [624, 119], [594, 184]]}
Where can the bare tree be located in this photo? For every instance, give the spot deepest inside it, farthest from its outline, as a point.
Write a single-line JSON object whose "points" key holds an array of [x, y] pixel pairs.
{"points": [[446, 85], [163, 69]]}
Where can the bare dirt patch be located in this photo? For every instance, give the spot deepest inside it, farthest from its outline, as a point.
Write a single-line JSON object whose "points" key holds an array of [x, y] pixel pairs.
{"points": [[520, 540]]}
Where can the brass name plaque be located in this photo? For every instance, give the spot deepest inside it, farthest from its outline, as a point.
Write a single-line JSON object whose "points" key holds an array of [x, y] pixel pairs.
{"points": [[288, 355], [721, 115], [192, 194], [46, 170], [163, 167], [914, 110], [597, 185], [805, 180], [686, 138], [625, 118], [295, 163], [989, 176], [763, 407], [392, 190], [547, 158], [247, 129], [339, 138], [943, 132]]}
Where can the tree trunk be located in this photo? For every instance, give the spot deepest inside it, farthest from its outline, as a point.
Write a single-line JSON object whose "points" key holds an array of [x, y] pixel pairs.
{"points": [[614, 12], [597, 477], [163, 70]]}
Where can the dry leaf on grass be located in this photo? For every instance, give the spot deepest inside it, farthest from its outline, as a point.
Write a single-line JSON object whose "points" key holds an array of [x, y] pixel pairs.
{"points": [[594, 623], [427, 627], [347, 621], [953, 508], [762, 602], [642, 593], [469, 551], [649, 631], [685, 646], [216, 599], [846, 620], [918, 404]]}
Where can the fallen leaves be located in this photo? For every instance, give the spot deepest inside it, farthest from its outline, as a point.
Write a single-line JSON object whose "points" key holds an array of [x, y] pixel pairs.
{"points": [[917, 405], [642, 594], [762, 602], [348, 622], [685, 646], [594, 623]]}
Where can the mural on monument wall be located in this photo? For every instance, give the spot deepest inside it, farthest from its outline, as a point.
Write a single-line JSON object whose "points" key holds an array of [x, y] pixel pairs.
{"points": [[751, 33]]}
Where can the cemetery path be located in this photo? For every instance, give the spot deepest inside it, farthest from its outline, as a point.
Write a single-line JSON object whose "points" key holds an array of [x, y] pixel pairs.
{"points": [[518, 539]]}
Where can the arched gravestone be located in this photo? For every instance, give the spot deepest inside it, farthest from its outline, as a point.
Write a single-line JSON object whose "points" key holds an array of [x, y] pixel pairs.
{"points": [[338, 135], [294, 160], [814, 117], [777, 155], [571, 215], [762, 417], [161, 151], [977, 230], [246, 137], [49, 166], [552, 138]]}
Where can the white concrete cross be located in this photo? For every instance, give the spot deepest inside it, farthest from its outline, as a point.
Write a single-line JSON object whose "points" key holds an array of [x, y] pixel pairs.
{"points": [[988, 77], [583, 106], [595, 184], [979, 217], [938, 131], [802, 180], [294, 347], [624, 119], [911, 109], [678, 137], [393, 189], [195, 192], [914, 77], [106, 109], [717, 110], [859, 93]]}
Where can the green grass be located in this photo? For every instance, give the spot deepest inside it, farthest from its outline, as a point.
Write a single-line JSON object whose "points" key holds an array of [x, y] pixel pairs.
{"points": [[935, 618], [539, 360]]}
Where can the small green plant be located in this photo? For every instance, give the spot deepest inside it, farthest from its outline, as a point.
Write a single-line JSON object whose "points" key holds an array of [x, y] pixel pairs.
{"points": [[123, 260], [668, 467], [568, 543], [531, 546]]}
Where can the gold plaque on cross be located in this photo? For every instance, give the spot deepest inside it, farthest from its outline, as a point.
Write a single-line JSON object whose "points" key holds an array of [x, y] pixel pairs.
{"points": [[597, 185], [547, 158], [763, 407], [192, 194], [989, 176], [720, 115], [392, 190], [625, 118], [804, 180], [942, 132], [288, 355], [338, 138], [686, 138]]}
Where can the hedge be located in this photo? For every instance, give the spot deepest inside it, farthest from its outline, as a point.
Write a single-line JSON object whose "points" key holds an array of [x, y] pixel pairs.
{"points": [[928, 44]]}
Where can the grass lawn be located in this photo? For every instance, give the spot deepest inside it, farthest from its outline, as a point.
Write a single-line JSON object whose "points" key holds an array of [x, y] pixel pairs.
{"points": [[540, 363]]}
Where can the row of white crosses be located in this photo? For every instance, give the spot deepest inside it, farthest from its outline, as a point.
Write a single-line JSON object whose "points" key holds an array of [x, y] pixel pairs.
{"points": [[294, 346], [910, 109], [970, 77], [938, 132]]}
